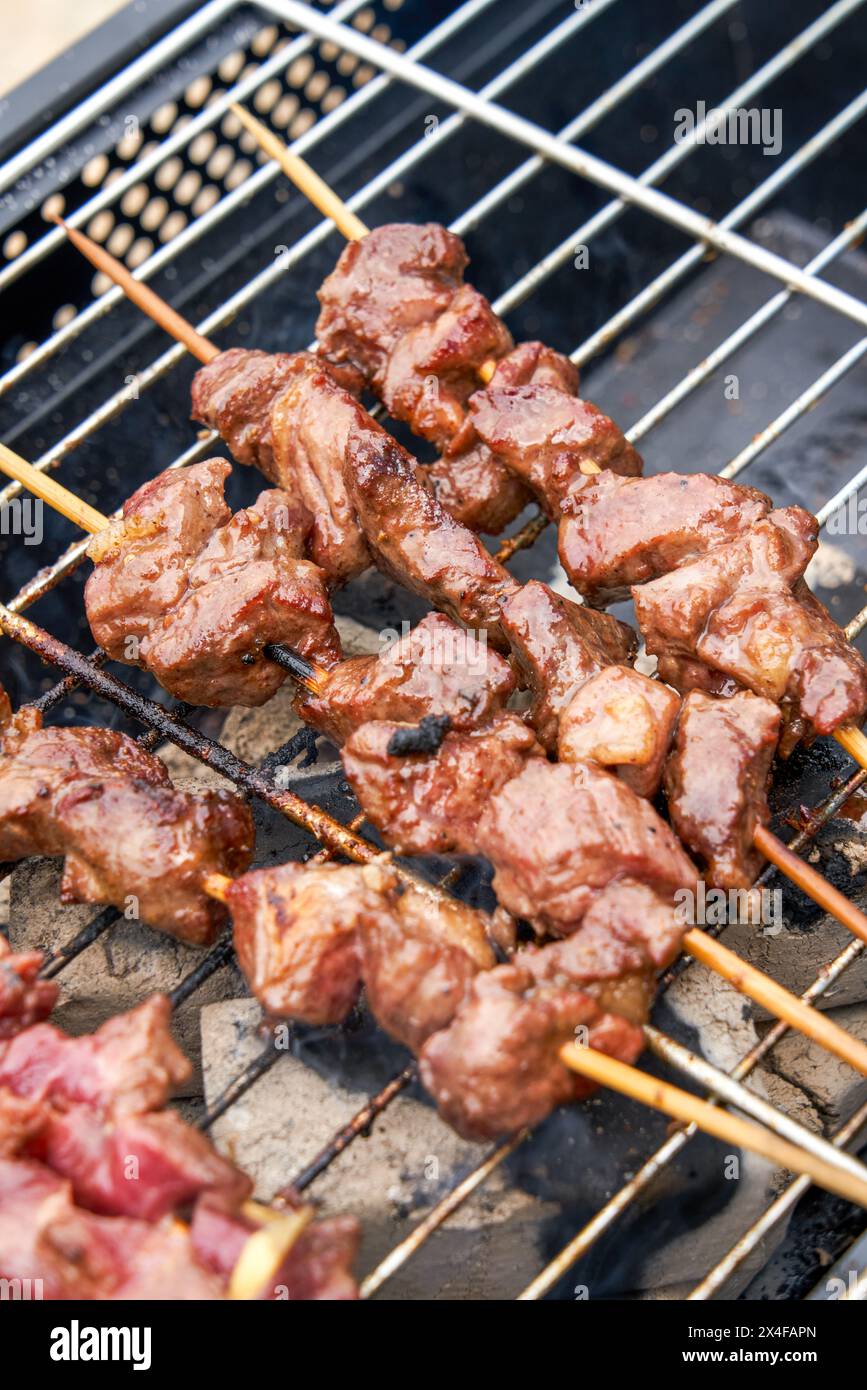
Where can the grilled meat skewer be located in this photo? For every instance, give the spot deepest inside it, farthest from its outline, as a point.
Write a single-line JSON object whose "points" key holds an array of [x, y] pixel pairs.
{"points": [[75, 1114], [61, 788]]}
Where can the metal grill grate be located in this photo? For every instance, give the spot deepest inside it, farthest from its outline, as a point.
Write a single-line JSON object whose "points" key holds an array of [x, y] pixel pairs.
{"points": [[322, 77]]}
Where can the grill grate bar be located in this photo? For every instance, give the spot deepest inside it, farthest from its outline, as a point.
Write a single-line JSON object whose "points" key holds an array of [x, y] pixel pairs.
{"points": [[661, 167], [132, 76], [111, 192], [843, 241], [787, 1200], [264, 176], [598, 171]]}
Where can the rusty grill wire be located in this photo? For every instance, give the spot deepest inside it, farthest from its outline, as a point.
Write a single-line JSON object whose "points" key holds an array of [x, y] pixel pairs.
{"points": [[80, 670]]}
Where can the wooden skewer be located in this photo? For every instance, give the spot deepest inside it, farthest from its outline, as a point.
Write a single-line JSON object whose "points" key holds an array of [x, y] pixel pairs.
{"points": [[745, 977], [317, 191], [749, 980], [689, 1109], [139, 293], [326, 200]]}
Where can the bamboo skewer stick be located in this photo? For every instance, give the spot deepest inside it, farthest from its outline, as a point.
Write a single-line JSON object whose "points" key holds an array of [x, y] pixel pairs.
{"points": [[317, 191], [690, 1110], [139, 293], [266, 1249], [802, 874], [326, 200]]}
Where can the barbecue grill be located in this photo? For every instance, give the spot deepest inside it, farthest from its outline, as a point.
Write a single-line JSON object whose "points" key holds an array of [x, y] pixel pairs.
{"points": [[515, 124]]}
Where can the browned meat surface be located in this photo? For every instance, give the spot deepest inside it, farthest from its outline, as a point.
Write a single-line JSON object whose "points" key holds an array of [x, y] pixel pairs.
{"points": [[418, 958], [317, 1267], [497, 1067], [716, 816], [98, 1099], [557, 834], [437, 668], [468, 479], [397, 308], [628, 934], [545, 436], [5, 708], [685, 675], [24, 998], [558, 645], [623, 721], [423, 803], [195, 594], [744, 611], [674, 610], [76, 1255], [433, 370], [620, 531], [291, 415], [296, 935], [61, 788], [307, 936], [417, 543], [400, 276]]}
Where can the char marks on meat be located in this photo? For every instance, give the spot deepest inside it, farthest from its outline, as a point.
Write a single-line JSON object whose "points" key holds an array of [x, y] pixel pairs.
{"points": [[296, 935], [620, 531], [59, 790], [558, 645], [419, 956], [431, 804], [716, 816], [195, 594], [436, 669], [557, 834], [497, 1067], [624, 721]]}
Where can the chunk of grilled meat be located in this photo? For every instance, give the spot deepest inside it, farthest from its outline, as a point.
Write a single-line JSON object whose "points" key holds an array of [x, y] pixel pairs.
{"points": [[497, 1067], [418, 957], [559, 645], [296, 936], [61, 788], [99, 1115], [290, 415], [470, 481], [717, 817], [195, 594], [5, 708], [317, 1268], [437, 668], [423, 803], [545, 436], [76, 1255], [397, 308], [24, 998], [618, 531], [623, 721], [415, 541], [743, 610], [307, 935], [557, 834]]}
